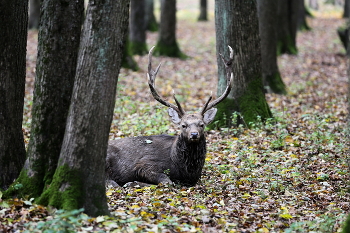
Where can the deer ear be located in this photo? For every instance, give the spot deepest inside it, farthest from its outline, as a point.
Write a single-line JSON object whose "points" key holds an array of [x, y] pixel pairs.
{"points": [[209, 115], [174, 116]]}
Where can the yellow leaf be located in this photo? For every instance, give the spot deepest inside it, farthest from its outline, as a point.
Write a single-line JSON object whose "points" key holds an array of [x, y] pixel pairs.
{"points": [[264, 230], [286, 216]]}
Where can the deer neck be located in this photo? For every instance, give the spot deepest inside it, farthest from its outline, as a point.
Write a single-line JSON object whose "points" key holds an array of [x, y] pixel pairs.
{"points": [[189, 155]]}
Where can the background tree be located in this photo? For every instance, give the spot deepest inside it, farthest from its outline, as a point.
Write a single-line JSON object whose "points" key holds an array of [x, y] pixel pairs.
{"points": [[236, 24], [150, 19], [346, 9], [167, 44], [267, 11], [287, 18], [203, 10], [13, 42], [137, 25], [34, 14], [79, 180], [58, 43], [128, 61], [346, 227], [302, 13]]}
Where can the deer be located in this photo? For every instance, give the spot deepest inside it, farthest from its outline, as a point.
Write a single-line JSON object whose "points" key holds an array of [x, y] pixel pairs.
{"points": [[165, 159]]}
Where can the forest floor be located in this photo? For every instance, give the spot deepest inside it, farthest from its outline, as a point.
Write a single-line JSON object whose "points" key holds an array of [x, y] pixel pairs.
{"points": [[286, 177]]}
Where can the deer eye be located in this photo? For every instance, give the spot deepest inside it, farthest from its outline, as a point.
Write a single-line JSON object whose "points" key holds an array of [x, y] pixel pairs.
{"points": [[184, 126], [201, 125]]}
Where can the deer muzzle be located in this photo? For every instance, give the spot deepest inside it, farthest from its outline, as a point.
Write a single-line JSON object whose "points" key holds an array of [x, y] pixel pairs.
{"points": [[194, 136]]}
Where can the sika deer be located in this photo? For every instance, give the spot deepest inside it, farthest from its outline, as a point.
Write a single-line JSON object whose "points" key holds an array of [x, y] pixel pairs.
{"points": [[163, 158]]}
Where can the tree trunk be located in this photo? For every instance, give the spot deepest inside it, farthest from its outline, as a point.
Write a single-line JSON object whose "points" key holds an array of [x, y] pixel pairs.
{"points": [[34, 14], [237, 25], [150, 19], [13, 41], [128, 61], [203, 10], [79, 181], [302, 12], [137, 27], [58, 44], [346, 9], [267, 27], [287, 17], [167, 45]]}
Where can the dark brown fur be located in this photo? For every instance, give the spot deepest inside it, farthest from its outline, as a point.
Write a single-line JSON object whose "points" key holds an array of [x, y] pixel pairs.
{"points": [[161, 158]]}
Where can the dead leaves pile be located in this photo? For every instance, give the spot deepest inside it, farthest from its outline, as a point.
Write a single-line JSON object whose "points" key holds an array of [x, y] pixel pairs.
{"points": [[286, 176]]}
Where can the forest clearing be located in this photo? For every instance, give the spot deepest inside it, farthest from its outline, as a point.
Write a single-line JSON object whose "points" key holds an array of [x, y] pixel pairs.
{"points": [[289, 174]]}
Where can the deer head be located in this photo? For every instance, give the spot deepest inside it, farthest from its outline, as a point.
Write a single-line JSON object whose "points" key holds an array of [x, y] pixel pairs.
{"points": [[192, 125]]}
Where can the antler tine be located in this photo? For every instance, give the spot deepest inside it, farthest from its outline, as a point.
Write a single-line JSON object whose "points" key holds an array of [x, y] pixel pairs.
{"points": [[151, 75], [229, 81]]}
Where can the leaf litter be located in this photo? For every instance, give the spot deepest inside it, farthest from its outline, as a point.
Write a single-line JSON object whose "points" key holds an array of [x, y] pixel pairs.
{"points": [[287, 176]]}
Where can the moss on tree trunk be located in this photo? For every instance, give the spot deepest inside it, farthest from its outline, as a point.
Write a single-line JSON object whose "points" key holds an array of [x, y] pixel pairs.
{"points": [[286, 46], [65, 191], [139, 48], [275, 83], [251, 106], [128, 61], [170, 50]]}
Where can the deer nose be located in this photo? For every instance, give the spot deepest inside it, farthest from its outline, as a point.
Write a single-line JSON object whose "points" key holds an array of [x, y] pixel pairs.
{"points": [[194, 135]]}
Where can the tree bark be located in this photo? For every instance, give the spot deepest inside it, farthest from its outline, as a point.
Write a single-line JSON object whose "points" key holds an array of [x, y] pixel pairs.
{"points": [[34, 14], [137, 25], [302, 12], [287, 17], [150, 19], [267, 27], [346, 9], [13, 42], [128, 61], [167, 45], [79, 181], [58, 44], [203, 10], [237, 25]]}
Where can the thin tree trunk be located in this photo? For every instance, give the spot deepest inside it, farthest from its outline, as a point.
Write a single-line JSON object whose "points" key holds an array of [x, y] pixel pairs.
{"points": [[13, 41], [34, 14], [267, 27], [137, 25], [151, 22], [128, 61], [167, 45], [237, 26], [302, 12], [58, 44], [287, 26], [79, 180], [346, 9], [203, 10]]}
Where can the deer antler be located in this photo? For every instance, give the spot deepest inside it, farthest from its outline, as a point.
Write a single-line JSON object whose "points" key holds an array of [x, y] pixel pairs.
{"points": [[229, 79], [151, 75]]}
